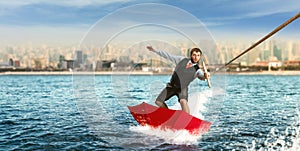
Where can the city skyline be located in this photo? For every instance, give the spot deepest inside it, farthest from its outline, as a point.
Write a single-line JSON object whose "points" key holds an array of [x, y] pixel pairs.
{"points": [[64, 23], [44, 57]]}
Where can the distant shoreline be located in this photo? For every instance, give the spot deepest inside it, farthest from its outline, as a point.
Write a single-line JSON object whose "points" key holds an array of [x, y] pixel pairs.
{"points": [[49, 73], [46, 73], [265, 73]]}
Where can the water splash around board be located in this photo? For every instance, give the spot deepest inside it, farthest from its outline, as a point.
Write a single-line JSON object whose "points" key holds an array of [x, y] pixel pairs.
{"points": [[197, 106]]}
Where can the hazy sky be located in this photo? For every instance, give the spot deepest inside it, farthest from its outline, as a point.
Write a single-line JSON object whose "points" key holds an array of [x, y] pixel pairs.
{"points": [[65, 22]]}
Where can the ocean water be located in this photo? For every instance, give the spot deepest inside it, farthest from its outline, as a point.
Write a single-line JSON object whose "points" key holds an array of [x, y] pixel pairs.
{"points": [[90, 113]]}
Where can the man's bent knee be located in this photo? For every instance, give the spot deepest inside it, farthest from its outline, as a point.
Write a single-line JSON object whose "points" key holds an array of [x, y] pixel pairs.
{"points": [[158, 103], [161, 104], [183, 101]]}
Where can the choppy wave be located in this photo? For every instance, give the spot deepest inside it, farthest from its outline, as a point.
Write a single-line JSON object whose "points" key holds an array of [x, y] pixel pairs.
{"points": [[250, 113], [276, 139]]}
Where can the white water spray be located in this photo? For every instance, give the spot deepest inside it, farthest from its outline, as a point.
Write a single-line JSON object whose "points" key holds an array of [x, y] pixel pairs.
{"points": [[197, 106], [287, 140]]}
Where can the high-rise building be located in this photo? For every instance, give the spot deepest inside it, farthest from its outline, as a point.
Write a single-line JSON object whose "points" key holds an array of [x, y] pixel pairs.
{"points": [[11, 62], [60, 62], [79, 57], [296, 51]]}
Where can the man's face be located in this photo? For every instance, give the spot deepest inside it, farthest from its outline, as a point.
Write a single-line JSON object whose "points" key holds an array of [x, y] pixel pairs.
{"points": [[195, 57]]}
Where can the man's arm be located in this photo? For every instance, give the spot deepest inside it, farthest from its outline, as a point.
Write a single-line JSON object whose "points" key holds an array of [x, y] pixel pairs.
{"points": [[166, 55], [201, 75]]}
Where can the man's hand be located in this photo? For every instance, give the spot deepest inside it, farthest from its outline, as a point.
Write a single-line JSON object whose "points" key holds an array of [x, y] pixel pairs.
{"points": [[206, 75], [150, 48]]}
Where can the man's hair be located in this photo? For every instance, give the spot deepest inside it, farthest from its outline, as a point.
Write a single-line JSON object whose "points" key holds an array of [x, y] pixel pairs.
{"points": [[195, 50]]}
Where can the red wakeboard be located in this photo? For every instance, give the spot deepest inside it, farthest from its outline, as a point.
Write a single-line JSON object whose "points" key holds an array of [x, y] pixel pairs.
{"points": [[146, 114]]}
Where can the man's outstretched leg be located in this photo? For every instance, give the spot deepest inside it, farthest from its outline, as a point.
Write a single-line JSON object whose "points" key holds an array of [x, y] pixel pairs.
{"points": [[184, 105], [161, 104]]}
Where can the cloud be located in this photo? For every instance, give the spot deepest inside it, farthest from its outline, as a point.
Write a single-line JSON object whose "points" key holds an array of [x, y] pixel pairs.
{"points": [[71, 3], [254, 9], [16, 8], [223, 15], [40, 35], [213, 13]]}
